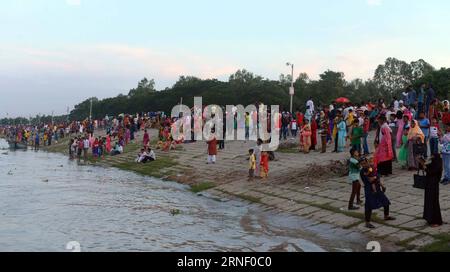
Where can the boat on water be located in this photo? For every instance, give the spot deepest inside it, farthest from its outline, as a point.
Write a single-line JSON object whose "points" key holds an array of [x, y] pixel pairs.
{"points": [[17, 145]]}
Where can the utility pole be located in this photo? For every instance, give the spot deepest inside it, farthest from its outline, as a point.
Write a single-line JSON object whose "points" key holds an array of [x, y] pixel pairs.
{"points": [[291, 89], [90, 111]]}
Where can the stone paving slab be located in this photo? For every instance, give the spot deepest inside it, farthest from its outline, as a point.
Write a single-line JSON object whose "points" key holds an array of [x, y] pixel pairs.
{"points": [[384, 231], [340, 220], [319, 215], [417, 224], [437, 230], [402, 235], [317, 200], [422, 241], [400, 219], [415, 211], [307, 210], [362, 227]]}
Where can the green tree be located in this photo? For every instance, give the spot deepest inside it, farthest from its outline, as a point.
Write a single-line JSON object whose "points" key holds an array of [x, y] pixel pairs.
{"points": [[440, 80], [145, 86], [394, 75]]}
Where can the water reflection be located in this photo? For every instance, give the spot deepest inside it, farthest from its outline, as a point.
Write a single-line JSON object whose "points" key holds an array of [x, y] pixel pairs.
{"points": [[48, 201]]}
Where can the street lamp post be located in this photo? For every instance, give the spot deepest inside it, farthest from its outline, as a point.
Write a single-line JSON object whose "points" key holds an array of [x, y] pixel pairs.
{"points": [[291, 89], [90, 111]]}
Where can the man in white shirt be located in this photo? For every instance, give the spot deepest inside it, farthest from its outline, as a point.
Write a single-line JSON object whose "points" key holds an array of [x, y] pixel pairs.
{"points": [[86, 145], [346, 112], [145, 156], [310, 103], [396, 105]]}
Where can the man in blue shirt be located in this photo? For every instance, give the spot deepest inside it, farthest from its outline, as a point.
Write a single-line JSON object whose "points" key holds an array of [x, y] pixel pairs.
{"points": [[421, 98], [424, 125], [411, 96], [431, 95]]}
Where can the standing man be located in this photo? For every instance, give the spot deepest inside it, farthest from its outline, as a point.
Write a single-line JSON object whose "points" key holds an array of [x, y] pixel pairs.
{"points": [[247, 126], [412, 96], [86, 145], [431, 95], [285, 121], [366, 130], [396, 105], [310, 104], [421, 98]]}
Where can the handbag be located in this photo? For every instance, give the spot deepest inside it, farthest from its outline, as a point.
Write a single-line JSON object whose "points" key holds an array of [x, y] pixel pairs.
{"points": [[420, 180]]}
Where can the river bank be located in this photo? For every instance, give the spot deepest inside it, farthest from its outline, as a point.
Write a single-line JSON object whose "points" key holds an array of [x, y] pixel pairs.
{"points": [[298, 184], [55, 200]]}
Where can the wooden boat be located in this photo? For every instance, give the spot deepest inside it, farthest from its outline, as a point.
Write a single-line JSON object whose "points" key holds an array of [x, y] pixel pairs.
{"points": [[17, 145]]}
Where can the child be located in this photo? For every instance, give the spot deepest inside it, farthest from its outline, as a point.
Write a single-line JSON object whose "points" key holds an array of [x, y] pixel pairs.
{"points": [[294, 128], [377, 200], [264, 165], [445, 142], [375, 180], [403, 153], [212, 151], [252, 164], [435, 133], [357, 134], [354, 172]]}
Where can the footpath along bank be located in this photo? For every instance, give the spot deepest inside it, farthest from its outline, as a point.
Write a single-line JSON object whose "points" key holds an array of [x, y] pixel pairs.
{"points": [[302, 185]]}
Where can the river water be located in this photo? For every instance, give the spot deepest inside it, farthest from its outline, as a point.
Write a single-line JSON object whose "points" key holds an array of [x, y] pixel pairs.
{"points": [[48, 201]]}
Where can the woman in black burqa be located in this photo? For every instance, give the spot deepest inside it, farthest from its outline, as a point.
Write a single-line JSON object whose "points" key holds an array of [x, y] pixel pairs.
{"points": [[432, 209]]}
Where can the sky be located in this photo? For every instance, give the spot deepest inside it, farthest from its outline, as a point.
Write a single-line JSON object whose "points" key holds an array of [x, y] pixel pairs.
{"points": [[56, 53]]}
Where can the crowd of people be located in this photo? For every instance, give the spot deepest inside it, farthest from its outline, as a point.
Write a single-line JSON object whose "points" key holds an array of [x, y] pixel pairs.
{"points": [[408, 131]]}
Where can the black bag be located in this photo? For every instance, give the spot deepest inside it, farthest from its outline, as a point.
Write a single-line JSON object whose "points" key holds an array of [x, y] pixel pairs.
{"points": [[420, 180]]}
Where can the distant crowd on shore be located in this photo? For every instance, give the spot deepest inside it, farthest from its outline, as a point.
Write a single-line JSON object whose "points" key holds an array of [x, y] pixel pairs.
{"points": [[408, 131]]}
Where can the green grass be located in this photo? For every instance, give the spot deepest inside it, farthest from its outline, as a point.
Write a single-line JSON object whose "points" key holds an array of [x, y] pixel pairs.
{"points": [[61, 147], [152, 169], [244, 197], [288, 150], [197, 188], [405, 243], [175, 212], [442, 245]]}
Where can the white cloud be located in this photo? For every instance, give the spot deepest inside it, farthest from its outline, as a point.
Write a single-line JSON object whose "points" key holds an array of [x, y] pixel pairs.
{"points": [[73, 2], [374, 2]]}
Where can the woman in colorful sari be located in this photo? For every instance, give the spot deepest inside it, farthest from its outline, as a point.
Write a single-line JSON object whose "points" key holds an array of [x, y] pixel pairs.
{"points": [[342, 135], [313, 134], [384, 152], [306, 137], [108, 143], [146, 139], [127, 136], [415, 135], [400, 125], [403, 152]]}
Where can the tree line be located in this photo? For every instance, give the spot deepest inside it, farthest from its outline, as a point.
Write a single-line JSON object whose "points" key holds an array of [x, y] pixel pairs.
{"points": [[243, 87]]}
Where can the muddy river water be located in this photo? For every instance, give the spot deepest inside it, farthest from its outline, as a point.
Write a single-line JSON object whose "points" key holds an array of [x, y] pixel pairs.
{"points": [[47, 201]]}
